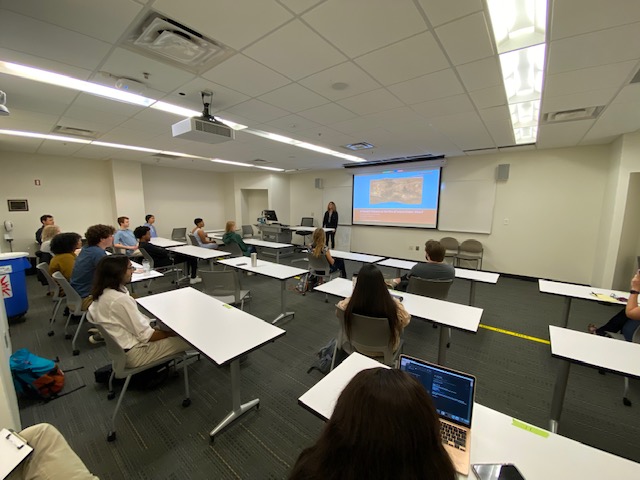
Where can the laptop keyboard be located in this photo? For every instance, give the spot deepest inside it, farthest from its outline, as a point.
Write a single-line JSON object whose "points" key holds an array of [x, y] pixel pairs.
{"points": [[453, 436]]}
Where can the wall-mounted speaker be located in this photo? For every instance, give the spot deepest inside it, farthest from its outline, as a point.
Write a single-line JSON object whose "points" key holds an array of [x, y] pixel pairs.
{"points": [[502, 172], [319, 183]]}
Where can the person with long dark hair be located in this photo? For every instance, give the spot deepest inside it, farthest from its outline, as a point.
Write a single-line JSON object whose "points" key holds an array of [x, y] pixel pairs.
{"points": [[117, 312], [371, 297], [319, 249], [384, 426], [330, 220]]}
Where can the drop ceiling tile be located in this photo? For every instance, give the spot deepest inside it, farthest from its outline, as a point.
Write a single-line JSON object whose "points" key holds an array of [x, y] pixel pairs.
{"points": [[240, 73], [591, 98], [258, 111], [291, 124], [295, 51], [629, 94], [43, 63], [467, 39], [575, 17], [397, 116], [360, 26], [565, 134], [404, 60], [327, 114], [95, 124], [299, 6], [489, 97], [146, 129], [480, 74], [428, 87], [128, 136], [465, 130], [294, 98], [325, 136], [444, 106], [357, 81], [105, 21], [375, 101], [53, 147], [617, 119], [496, 114], [49, 41], [443, 11], [89, 116], [233, 23], [223, 97], [102, 106], [498, 123], [18, 144], [587, 79], [28, 121], [36, 97], [603, 47]]}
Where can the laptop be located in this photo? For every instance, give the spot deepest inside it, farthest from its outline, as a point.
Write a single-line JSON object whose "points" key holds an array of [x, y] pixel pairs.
{"points": [[453, 395]]}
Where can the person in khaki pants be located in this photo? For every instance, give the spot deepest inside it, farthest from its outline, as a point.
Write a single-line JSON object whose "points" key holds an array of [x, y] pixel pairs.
{"points": [[52, 457]]}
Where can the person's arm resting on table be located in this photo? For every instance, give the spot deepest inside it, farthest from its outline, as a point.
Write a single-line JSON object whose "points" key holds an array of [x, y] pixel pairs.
{"points": [[632, 310]]}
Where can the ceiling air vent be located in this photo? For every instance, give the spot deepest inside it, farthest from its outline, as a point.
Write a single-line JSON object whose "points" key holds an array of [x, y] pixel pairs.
{"points": [[74, 132], [359, 146], [260, 161], [586, 113]]}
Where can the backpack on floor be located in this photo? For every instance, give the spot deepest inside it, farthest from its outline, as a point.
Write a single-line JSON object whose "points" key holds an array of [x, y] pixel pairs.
{"points": [[325, 357], [34, 375]]}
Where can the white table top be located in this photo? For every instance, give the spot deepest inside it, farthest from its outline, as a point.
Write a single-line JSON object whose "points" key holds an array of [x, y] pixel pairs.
{"points": [[496, 437], [450, 314], [477, 275], [199, 252], [310, 229], [603, 352], [265, 244], [579, 291], [214, 230], [356, 257], [218, 330], [165, 242], [138, 276], [268, 269]]}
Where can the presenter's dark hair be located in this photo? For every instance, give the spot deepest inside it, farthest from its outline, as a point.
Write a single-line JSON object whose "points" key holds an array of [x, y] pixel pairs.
{"points": [[95, 233], [147, 217], [197, 221], [384, 426], [110, 273], [45, 217], [371, 298], [64, 243], [140, 231], [435, 250]]}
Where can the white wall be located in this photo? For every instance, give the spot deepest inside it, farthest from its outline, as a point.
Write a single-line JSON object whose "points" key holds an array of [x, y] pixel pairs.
{"points": [[128, 193], [77, 192], [278, 198]]}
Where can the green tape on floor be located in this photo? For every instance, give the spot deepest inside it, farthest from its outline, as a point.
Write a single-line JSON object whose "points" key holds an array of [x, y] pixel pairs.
{"points": [[530, 428]]}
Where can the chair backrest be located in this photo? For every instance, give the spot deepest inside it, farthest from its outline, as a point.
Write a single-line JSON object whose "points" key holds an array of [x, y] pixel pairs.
{"points": [[368, 334], [116, 353], [192, 240], [179, 234], [233, 248], [636, 336], [247, 231], [54, 288], [74, 301], [318, 263], [429, 288], [450, 243], [119, 251], [471, 246], [147, 257], [221, 284], [306, 222]]}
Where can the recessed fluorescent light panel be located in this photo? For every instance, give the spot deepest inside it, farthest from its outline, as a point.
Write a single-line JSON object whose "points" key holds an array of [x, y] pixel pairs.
{"points": [[519, 28]]}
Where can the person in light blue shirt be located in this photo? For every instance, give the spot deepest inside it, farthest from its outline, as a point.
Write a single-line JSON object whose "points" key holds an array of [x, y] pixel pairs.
{"points": [[150, 220], [124, 237]]}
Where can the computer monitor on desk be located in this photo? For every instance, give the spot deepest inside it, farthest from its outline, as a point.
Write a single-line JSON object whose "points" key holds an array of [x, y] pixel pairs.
{"points": [[270, 215]]}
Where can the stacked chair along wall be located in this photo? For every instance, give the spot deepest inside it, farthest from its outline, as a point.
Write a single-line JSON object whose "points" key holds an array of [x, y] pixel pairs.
{"points": [[438, 289], [634, 339], [319, 267], [470, 252], [74, 303], [224, 286], [368, 334], [54, 291], [179, 234], [119, 370], [451, 246]]}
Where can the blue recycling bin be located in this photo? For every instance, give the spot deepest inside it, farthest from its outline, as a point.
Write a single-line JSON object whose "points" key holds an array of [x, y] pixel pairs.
{"points": [[14, 283]]}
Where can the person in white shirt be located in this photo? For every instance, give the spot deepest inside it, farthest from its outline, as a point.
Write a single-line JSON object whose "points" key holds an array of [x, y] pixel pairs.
{"points": [[117, 312]]}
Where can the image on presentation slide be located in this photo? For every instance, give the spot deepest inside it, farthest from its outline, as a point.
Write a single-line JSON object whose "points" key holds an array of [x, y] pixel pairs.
{"points": [[397, 198]]}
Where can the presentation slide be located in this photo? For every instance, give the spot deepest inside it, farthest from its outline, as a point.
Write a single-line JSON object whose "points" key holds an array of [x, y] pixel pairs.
{"points": [[397, 198]]}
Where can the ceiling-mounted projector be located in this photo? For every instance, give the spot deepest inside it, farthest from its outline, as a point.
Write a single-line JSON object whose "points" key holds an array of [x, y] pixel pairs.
{"points": [[206, 129]]}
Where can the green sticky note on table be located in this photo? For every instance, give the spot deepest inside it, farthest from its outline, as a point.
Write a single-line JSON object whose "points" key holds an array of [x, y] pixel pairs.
{"points": [[530, 428], [226, 305]]}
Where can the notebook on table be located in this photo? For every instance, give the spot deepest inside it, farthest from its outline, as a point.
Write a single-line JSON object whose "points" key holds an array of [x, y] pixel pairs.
{"points": [[453, 395]]}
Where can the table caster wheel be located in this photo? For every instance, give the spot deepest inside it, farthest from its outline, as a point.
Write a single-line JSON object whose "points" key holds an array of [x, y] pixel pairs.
{"points": [[111, 395], [111, 436], [186, 402], [51, 333], [76, 352]]}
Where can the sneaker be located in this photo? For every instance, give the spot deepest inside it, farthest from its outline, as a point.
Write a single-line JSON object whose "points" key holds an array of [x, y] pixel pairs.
{"points": [[96, 338], [93, 330], [193, 281]]}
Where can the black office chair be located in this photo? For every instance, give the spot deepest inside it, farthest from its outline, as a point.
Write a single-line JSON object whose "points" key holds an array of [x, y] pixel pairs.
{"points": [[305, 222]]}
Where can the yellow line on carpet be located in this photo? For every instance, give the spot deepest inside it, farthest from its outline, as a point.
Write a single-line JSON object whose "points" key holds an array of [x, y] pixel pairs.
{"points": [[515, 334]]}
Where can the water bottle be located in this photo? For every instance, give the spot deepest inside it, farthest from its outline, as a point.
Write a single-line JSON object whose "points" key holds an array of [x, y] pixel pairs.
{"points": [[146, 266], [254, 259]]}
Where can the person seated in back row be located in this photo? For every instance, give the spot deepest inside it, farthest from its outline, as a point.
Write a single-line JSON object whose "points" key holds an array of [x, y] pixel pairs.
{"points": [[627, 320], [63, 247], [230, 236], [201, 237], [44, 220], [319, 249], [149, 221], [124, 238], [433, 269], [161, 256]]}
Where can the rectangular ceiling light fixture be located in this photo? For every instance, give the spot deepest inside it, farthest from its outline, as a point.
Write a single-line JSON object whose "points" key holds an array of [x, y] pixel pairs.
{"points": [[519, 28]]}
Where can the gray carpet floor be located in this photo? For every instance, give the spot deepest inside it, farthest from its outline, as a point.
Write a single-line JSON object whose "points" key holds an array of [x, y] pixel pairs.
{"points": [[159, 439]]}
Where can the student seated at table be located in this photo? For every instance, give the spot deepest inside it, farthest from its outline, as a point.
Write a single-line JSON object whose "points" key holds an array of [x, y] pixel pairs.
{"points": [[149, 221], [52, 457], [230, 236], [124, 238], [319, 249], [371, 297], [626, 321], [117, 312], [201, 237], [384, 426], [63, 247], [161, 256], [433, 269], [48, 233]]}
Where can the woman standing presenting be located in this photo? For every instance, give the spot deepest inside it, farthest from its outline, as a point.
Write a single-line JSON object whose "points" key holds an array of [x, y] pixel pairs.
{"points": [[330, 220]]}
